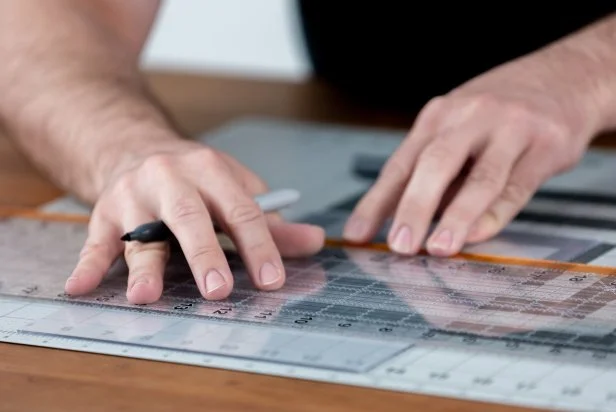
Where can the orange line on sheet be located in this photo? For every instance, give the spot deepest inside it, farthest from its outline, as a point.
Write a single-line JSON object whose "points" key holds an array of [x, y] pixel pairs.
{"points": [[338, 243], [500, 260], [42, 215]]}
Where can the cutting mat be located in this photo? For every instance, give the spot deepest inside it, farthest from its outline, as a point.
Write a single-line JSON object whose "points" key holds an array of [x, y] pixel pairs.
{"points": [[530, 333]]}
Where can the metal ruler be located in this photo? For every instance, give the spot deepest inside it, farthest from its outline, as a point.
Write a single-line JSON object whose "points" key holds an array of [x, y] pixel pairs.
{"points": [[523, 332]]}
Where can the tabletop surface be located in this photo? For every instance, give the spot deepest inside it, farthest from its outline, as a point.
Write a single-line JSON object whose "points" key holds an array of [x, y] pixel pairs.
{"points": [[55, 380]]}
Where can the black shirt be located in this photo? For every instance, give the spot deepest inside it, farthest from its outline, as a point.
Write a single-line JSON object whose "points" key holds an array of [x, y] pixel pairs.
{"points": [[399, 54]]}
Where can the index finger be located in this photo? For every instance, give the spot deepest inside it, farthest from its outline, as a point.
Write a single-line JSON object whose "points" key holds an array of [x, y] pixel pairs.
{"points": [[436, 167], [380, 200]]}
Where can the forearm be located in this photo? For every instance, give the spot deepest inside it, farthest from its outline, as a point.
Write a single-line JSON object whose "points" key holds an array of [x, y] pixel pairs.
{"points": [[72, 96], [594, 47]]}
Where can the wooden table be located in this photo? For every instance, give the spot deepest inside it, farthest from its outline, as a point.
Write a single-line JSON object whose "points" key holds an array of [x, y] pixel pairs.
{"points": [[34, 379]]}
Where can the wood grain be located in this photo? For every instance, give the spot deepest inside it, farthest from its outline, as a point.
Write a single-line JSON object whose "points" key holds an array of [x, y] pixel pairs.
{"points": [[33, 379], [54, 380], [20, 183]]}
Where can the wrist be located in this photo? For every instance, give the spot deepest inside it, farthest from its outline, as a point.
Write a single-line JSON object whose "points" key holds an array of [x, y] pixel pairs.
{"points": [[592, 59], [83, 129], [71, 91]]}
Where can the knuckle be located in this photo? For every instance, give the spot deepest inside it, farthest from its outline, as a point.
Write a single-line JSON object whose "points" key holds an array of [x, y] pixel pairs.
{"points": [[125, 186], [551, 136], [459, 215], [206, 156], [553, 141], [482, 101], [518, 114], [185, 210], [558, 131], [516, 193], [157, 169], [202, 252], [486, 173], [157, 164], [436, 153], [242, 213], [395, 169], [93, 248], [433, 108], [259, 244]]}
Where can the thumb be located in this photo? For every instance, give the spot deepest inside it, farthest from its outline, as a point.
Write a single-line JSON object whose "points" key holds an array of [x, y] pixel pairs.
{"points": [[295, 239]]}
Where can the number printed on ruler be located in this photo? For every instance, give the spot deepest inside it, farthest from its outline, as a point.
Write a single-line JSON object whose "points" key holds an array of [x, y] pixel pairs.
{"points": [[531, 336]]}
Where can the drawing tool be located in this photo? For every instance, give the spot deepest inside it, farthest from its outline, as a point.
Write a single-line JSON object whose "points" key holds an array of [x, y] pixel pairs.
{"points": [[158, 231]]}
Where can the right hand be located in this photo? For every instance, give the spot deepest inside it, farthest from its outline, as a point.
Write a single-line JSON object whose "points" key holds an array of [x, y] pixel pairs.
{"points": [[188, 186]]}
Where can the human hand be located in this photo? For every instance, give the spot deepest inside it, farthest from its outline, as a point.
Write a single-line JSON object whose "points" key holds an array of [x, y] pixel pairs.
{"points": [[512, 128], [188, 186]]}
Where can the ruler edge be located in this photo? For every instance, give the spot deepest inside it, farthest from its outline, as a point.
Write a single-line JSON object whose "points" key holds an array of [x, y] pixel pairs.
{"points": [[37, 214], [460, 395]]}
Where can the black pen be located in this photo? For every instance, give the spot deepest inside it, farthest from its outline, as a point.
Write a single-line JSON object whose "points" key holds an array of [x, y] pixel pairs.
{"points": [[157, 231]]}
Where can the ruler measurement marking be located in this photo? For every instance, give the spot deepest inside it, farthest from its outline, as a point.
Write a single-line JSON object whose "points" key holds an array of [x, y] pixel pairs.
{"points": [[443, 332], [469, 308]]}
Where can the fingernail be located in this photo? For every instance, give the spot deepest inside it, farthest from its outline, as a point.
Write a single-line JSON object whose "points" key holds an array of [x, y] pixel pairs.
{"points": [[139, 281], [214, 281], [269, 274], [69, 281], [442, 242], [402, 240], [355, 228]]}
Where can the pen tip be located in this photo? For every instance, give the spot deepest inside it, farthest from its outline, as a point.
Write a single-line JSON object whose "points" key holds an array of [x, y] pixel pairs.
{"points": [[125, 237]]}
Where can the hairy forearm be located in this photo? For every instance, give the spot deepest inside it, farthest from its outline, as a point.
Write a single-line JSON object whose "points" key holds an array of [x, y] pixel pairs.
{"points": [[72, 96], [595, 49]]}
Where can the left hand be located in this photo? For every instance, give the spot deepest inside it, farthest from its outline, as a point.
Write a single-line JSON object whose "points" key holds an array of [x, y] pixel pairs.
{"points": [[516, 126]]}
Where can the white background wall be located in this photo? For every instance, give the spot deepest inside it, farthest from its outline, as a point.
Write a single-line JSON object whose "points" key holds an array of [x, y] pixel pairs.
{"points": [[257, 38]]}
